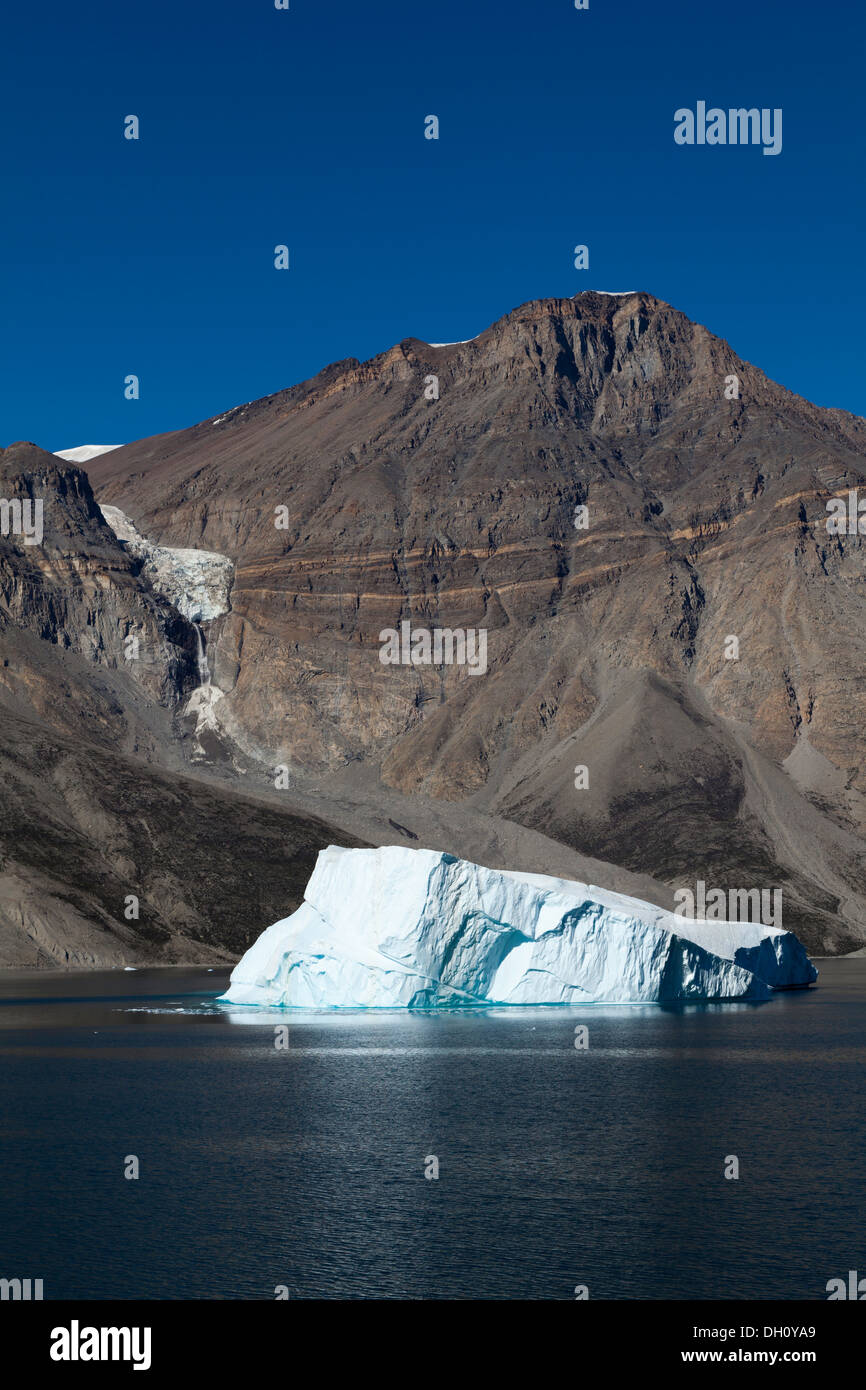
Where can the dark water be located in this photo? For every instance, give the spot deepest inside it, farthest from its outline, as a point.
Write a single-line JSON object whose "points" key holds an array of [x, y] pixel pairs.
{"points": [[305, 1167]]}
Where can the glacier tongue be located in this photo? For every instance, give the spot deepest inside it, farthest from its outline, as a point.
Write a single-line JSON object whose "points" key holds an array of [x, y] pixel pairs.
{"points": [[396, 927], [197, 582]]}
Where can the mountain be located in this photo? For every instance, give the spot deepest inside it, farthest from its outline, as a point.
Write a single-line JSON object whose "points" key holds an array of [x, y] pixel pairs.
{"points": [[441, 486]]}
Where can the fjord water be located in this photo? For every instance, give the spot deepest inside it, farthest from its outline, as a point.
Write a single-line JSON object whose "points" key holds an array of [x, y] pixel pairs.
{"points": [[304, 1167]]}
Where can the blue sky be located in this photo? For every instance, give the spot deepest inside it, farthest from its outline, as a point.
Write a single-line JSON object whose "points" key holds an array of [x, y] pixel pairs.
{"points": [[306, 127]]}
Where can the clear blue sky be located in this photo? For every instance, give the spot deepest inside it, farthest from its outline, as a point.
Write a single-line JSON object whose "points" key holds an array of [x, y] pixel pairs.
{"points": [[306, 127]]}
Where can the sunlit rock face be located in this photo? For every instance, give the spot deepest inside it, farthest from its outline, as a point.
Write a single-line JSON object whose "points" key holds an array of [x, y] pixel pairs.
{"points": [[197, 582], [395, 927]]}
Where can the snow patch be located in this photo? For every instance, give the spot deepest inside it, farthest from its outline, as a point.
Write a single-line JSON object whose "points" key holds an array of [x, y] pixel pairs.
{"points": [[201, 706], [83, 453], [229, 413]]}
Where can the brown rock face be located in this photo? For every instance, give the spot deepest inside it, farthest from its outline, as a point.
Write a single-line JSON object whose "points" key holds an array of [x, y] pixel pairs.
{"points": [[93, 811], [128, 656]]}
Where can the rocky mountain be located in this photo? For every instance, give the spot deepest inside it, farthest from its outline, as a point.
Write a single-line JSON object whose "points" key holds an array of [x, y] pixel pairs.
{"points": [[634, 517]]}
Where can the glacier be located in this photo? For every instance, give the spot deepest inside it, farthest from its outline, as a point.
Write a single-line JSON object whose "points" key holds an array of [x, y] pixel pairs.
{"points": [[197, 582], [417, 928]]}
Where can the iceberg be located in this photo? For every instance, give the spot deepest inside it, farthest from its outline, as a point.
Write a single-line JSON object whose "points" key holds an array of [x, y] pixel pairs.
{"points": [[416, 928]]}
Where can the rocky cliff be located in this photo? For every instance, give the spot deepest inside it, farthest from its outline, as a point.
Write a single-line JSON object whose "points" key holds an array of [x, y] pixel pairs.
{"points": [[108, 853]]}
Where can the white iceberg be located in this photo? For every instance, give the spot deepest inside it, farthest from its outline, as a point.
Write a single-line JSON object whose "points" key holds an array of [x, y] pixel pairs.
{"points": [[402, 928]]}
